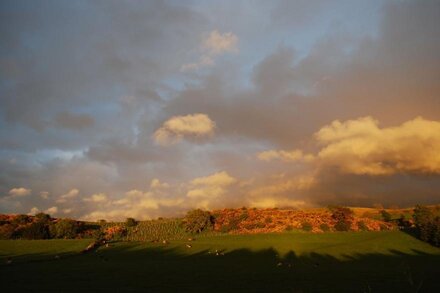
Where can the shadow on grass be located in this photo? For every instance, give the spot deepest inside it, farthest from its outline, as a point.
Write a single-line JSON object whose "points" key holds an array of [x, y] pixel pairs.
{"points": [[144, 268]]}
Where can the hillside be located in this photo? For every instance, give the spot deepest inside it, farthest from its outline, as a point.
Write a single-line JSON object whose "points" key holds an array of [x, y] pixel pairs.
{"points": [[245, 221]]}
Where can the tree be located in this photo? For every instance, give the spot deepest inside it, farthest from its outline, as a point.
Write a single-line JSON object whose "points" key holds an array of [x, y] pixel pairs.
{"points": [[42, 217], [130, 222], [197, 221], [64, 228], [423, 218], [36, 230], [306, 226], [7, 231], [20, 220], [343, 217], [386, 216]]}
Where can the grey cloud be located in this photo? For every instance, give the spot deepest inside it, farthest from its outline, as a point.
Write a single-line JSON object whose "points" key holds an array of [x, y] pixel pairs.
{"points": [[74, 121]]}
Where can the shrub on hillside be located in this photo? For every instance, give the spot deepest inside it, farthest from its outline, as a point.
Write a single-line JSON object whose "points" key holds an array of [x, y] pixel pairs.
{"points": [[306, 226], [427, 225], [324, 227], [7, 231], [403, 223], [64, 228], [343, 217], [362, 226], [197, 221], [423, 217], [42, 217], [130, 222], [36, 230], [20, 220], [386, 216], [115, 233], [435, 232], [342, 226]]}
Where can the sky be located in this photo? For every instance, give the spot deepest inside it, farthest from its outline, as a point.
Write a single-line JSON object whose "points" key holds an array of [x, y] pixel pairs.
{"points": [[145, 109]]}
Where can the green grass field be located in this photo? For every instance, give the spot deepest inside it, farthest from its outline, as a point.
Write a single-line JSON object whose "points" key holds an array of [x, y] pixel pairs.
{"points": [[389, 261]]}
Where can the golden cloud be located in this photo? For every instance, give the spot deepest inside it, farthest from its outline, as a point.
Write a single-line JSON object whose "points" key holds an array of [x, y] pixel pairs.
{"points": [[175, 128], [286, 156], [207, 189], [361, 147], [18, 192]]}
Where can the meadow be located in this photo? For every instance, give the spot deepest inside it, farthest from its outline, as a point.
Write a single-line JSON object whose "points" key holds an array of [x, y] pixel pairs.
{"points": [[385, 261]]}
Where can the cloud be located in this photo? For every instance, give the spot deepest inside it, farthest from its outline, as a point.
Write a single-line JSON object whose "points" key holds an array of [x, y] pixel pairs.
{"points": [[135, 203], [74, 121], [52, 210], [281, 191], [34, 211], [217, 43], [208, 191], [97, 198], [213, 45], [67, 196], [19, 192], [156, 184], [44, 194], [361, 147], [177, 127], [216, 179], [287, 156]]}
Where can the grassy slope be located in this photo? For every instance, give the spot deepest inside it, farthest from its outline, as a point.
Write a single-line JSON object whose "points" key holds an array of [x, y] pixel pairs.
{"points": [[331, 262], [34, 250]]}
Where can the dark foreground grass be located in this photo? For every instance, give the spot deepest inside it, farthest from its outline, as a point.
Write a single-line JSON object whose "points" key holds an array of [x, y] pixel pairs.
{"points": [[291, 262]]}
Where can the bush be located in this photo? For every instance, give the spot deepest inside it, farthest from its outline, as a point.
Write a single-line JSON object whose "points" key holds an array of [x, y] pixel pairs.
{"points": [[427, 226], [435, 233], [342, 226], [386, 216], [343, 217], [20, 220], [115, 233], [324, 227], [197, 221], [244, 215], [403, 223], [268, 220], [36, 230], [7, 231], [423, 217], [306, 226], [42, 217], [233, 224], [288, 228], [362, 226], [130, 222], [64, 228]]}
